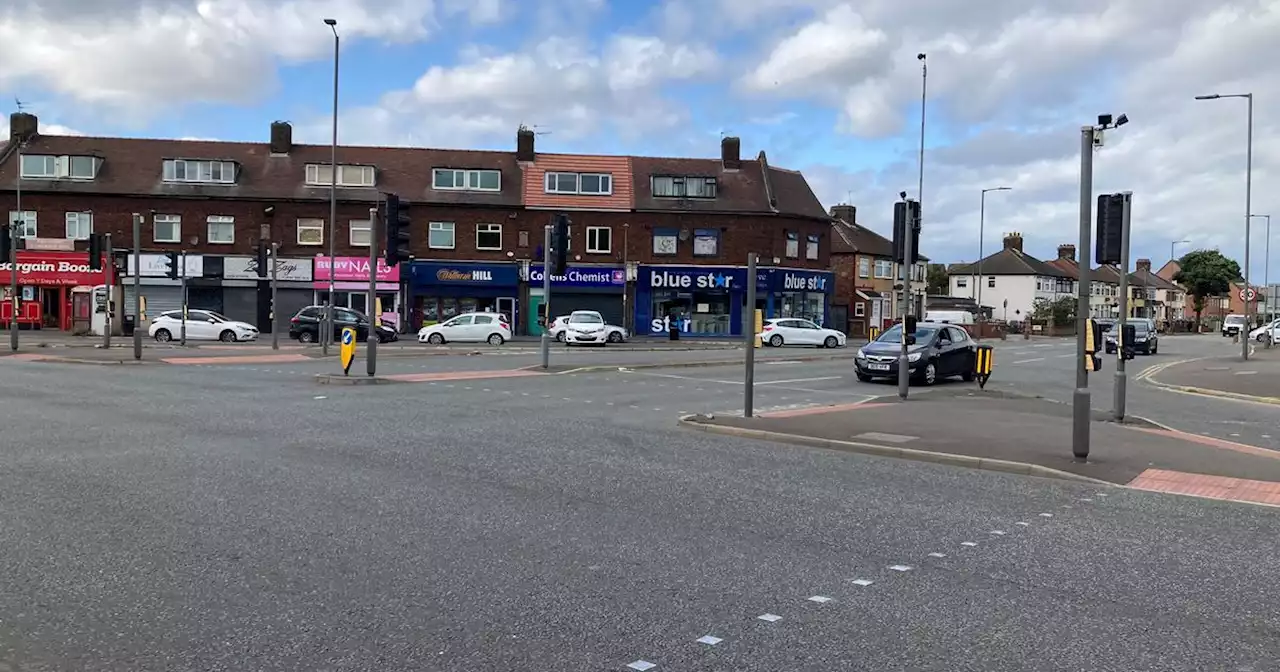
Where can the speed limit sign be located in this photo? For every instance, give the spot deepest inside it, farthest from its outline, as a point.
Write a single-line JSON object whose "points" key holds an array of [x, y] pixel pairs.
{"points": [[1253, 294]]}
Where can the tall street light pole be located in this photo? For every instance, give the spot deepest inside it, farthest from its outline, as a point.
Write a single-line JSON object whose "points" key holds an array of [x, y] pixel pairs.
{"points": [[1173, 244], [327, 331], [1248, 204], [982, 222], [1266, 269], [909, 262]]}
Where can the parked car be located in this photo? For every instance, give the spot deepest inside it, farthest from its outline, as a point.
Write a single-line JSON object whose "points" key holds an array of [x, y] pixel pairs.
{"points": [[305, 326], [202, 325], [587, 327], [1145, 338], [940, 351], [1232, 325], [491, 328], [614, 333], [1260, 334], [795, 331]]}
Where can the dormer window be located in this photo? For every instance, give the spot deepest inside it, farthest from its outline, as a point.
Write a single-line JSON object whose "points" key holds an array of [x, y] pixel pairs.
{"points": [[587, 184], [199, 170], [683, 186], [40, 166], [466, 179], [319, 175]]}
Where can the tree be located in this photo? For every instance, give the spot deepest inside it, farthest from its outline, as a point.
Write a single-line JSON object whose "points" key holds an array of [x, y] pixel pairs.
{"points": [[938, 282], [1059, 313], [1205, 273]]}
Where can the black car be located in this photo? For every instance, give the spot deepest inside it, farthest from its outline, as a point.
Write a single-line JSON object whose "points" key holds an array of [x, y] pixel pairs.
{"points": [[1145, 340], [305, 326], [940, 351]]}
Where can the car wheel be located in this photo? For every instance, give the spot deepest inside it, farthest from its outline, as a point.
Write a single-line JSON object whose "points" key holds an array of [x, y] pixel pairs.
{"points": [[227, 336], [615, 337], [435, 339], [831, 342], [863, 377], [967, 376], [775, 341], [560, 337], [306, 337], [1155, 349], [929, 375], [496, 339], [163, 335]]}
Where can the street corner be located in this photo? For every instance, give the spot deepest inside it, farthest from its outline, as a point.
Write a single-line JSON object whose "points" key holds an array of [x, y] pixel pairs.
{"points": [[1255, 380]]}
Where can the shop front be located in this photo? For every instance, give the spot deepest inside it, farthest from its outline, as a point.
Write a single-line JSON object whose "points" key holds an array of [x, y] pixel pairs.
{"points": [[351, 286], [161, 294], [704, 301], [45, 281], [247, 297], [441, 290], [800, 293], [599, 288]]}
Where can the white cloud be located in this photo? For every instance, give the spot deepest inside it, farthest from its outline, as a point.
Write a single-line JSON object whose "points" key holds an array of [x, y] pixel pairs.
{"points": [[46, 128]]}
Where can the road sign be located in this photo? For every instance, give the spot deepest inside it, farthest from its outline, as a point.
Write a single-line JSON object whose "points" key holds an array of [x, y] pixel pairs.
{"points": [[348, 351], [984, 362], [1253, 294]]}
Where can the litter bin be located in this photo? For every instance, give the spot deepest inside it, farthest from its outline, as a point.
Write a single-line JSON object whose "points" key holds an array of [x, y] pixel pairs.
{"points": [[674, 332], [130, 323]]}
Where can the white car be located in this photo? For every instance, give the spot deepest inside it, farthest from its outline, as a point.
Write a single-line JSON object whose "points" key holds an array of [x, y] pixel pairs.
{"points": [[491, 328], [613, 333], [795, 331], [1260, 334], [202, 325]]}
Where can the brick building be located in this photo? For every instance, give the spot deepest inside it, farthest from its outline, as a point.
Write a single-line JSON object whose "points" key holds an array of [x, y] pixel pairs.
{"points": [[866, 276], [651, 238]]}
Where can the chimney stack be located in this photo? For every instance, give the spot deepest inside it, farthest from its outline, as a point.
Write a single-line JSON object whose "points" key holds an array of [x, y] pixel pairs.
{"points": [[23, 126], [281, 137], [1067, 252], [1013, 241], [1144, 265], [524, 145], [848, 213], [731, 152]]}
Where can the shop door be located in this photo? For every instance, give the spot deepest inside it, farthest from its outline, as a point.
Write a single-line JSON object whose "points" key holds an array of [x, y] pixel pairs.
{"points": [[535, 304], [506, 305], [840, 318]]}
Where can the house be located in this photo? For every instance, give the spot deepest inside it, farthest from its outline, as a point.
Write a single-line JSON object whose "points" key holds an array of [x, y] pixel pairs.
{"points": [[1153, 297], [1215, 308], [1011, 281], [650, 238], [866, 275], [1104, 290]]}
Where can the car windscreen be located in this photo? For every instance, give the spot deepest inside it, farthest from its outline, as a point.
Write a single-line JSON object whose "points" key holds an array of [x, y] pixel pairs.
{"points": [[586, 319], [924, 333], [1235, 319]]}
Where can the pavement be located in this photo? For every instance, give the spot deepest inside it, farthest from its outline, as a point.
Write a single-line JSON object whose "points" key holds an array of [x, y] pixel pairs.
{"points": [[220, 518], [1256, 379], [990, 430]]}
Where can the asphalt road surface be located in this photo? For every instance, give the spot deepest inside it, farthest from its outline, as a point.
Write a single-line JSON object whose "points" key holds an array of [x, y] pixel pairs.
{"points": [[172, 518]]}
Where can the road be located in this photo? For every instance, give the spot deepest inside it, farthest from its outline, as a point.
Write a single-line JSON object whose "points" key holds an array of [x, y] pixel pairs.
{"points": [[225, 518]]}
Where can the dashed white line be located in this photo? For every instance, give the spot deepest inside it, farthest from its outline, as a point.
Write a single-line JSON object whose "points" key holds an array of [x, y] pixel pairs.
{"points": [[968, 543], [709, 640], [1028, 361], [1046, 515], [937, 555], [820, 599], [862, 582], [997, 532], [900, 568], [771, 618], [641, 665]]}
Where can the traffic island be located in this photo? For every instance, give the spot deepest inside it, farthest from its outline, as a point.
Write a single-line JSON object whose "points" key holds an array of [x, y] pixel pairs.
{"points": [[1019, 435], [1256, 380], [339, 379]]}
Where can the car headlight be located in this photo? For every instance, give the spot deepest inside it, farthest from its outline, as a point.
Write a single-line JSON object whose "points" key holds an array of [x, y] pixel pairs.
{"points": [[860, 354], [914, 357]]}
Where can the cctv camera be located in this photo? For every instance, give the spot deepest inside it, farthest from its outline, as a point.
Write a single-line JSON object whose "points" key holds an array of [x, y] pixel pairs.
{"points": [[1104, 120], [903, 195], [919, 57], [1122, 120]]}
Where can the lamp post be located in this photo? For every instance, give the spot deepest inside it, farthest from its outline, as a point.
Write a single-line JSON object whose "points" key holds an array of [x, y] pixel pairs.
{"points": [[1266, 269], [1173, 244], [982, 222], [327, 331], [1248, 202]]}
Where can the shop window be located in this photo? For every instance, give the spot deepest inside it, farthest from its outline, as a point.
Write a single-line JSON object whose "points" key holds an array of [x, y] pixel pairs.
{"points": [[699, 313], [488, 236], [599, 239], [310, 231], [440, 236], [811, 248], [793, 244], [706, 242], [804, 305], [666, 242]]}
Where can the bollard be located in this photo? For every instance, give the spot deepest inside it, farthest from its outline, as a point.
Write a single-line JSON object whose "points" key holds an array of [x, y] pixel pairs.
{"points": [[983, 363]]}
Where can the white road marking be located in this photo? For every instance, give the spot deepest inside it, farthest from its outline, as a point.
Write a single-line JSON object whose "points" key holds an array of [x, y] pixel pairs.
{"points": [[641, 665], [862, 582], [771, 618], [1085, 499], [968, 543], [1067, 355], [1028, 361], [881, 436], [997, 532], [900, 568], [322, 397], [1046, 515], [1245, 373], [709, 640], [820, 599], [799, 380], [1022, 523], [937, 555]]}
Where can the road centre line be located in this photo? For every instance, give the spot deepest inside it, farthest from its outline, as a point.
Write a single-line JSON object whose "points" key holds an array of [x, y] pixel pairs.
{"points": [[1028, 361], [799, 380]]}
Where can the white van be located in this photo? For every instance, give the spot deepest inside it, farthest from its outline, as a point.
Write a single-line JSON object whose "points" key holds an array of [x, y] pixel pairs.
{"points": [[961, 317]]}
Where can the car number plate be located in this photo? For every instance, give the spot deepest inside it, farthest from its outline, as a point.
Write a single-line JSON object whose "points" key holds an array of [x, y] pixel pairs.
{"points": [[878, 367]]}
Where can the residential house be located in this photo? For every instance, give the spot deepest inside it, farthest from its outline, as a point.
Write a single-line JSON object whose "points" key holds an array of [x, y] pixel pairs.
{"points": [[1104, 291], [1011, 280], [1215, 308], [1151, 296], [866, 274]]}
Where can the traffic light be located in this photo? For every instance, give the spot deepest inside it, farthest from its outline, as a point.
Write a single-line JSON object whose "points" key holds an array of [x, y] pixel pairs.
{"points": [[559, 245], [1128, 341], [6, 243], [906, 213], [911, 329], [262, 259], [395, 220], [171, 259], [95, 251], [1110, 228], [1093, 343]]}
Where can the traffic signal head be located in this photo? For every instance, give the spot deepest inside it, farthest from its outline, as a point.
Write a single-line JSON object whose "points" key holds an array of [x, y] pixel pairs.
{"points": [[906, 213], [171, 259], [559, 245], [95, 251], [1110, 228], [1092, 336], [395, 220], [910, 328]]}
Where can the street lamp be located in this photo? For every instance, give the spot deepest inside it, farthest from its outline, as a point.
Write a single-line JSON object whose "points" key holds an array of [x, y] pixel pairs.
{"points": [[982, 220], [1248, 202], [1266, 269], [327, 332], [1173, 244]]}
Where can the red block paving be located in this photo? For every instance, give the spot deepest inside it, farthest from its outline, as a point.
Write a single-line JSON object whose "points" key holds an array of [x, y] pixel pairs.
{"points": [[460, 375], [1215, 487], [244, 359], [1210, 441]]}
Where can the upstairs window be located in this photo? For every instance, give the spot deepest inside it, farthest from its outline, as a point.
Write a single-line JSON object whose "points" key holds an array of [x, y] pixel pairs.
{"points": [[37, 166], [79, 225], [463, 179], [188, 170], [25, 222], [706, 242], [885, 269], [167, 228], [793, 244], [680, 186], [811, 247], [587, 184], [319, 175]]}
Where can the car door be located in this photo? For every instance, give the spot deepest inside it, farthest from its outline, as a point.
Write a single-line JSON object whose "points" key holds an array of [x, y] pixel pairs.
{"points": [[481, 327], [343, 318], [198, 327], [792, 333], [815, 333], [965, 350], [457, 329]]}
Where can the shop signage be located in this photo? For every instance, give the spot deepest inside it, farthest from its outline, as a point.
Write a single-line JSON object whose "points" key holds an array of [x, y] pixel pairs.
{"points": [[156, 265], [725, 278], [52, 269], [354, 269], [487, 275], [802, 281], [584, 276], [287, 270]]}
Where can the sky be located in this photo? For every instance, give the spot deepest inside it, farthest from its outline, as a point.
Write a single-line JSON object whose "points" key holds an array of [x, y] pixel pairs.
{"points": [[827, 87]]}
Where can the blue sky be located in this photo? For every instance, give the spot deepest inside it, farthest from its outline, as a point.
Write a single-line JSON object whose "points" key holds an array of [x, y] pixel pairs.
{"points": [[824, 86]]}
